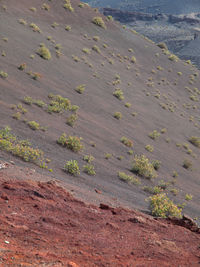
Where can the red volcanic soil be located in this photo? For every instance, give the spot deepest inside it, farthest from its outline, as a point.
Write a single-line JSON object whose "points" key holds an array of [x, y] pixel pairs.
{"points": [[43, 225]]}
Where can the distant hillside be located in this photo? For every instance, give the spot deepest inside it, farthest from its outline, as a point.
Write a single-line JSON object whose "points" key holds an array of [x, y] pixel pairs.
{"points": [[151, 6]]}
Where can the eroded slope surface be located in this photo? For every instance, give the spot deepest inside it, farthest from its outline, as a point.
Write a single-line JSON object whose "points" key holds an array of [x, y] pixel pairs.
{"points": [[43, 225]]}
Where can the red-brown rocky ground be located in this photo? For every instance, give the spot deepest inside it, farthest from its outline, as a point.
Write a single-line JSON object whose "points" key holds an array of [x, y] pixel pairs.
{"points": [[43, 225]]}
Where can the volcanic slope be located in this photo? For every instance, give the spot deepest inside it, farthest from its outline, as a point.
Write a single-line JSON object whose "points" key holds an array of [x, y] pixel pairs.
{"points": [[153, 6], [43, 225], [89, 63]]}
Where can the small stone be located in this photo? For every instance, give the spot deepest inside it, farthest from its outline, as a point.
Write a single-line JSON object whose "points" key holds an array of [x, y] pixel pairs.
{"points": [[97, 191], [7, 242], [72, 264]]}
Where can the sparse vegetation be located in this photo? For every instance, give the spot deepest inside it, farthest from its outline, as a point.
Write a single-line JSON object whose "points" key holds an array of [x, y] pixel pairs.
{"points": [[133, 59], [117, 115], [68, 28], [22, 66], [108, 155], [129, 178], [162, 46], [195, 141], [46, 7], [162, 206], [188, 197], [149, 148], [173, 57], [44, 52], [19, 148], [3, 74], [80, 88], [58, 104], [68, 6], [153, 190], [35, 28], [71, 120], [72, 167], [127, 142], [156, 164], [71, 142], [154, 135], [143, 167], [187, 164], [88, 158], [89, 169], [118, 93], [33, 125], [96, 49], [99, 22], [22, 21], [127, 105]]}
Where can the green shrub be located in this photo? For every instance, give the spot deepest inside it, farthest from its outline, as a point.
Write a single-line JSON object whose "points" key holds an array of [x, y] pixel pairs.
{"points": [[33, 9], [89, 169], [108, 155], [68, 28], [44, 52], [72, 167], [154, 135], [46, 7], [62, 140], [68, 6], [33, 125], [99, 22], [117, 115], [118, 93], [71, 142], [162, 46], [81, 5], [3, 74], [58, 104], [162, 206], [21, 108], [127, 105], [80, 88], [21, 149], [110, 18], [153, 190], [175, 174], [54, 25], [187, 164], [34, 27], [133, 59], [173, 57], [143, 167], [16, 116], [39, 103], [174, 191], [149, 148], [96, 49], [130, 152], [96, 38], [127, 142], [188, 197], [86, 50], [88, 158], [74, 143], [74, 108], [156, 164], [128, 178], [71, 120], [22, 66], [195, 141]]}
